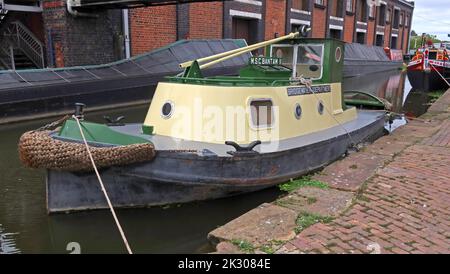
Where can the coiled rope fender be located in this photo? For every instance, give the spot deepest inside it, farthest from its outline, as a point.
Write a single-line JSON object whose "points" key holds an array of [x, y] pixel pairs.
{"points": [[37, 149]]}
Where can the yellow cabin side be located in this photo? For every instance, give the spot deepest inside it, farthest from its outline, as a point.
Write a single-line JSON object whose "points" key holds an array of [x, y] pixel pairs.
{"points": [[243, 114]]}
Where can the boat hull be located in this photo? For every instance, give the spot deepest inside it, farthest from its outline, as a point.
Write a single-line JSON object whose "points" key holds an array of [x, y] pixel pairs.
{"points": [[426, 81], [180, 177]]}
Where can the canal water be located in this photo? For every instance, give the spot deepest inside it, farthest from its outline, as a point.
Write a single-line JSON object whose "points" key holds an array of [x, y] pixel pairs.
{"points": [[25, 226]]}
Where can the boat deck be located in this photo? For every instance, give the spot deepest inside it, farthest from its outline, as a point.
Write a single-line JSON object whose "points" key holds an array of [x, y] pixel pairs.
{"points": [[364, 118]]}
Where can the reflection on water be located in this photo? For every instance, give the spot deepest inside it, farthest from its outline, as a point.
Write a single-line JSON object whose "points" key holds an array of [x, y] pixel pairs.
{"points": [[393, 86], [25, 225]]}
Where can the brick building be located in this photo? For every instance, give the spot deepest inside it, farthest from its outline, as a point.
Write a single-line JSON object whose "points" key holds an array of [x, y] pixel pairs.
{"points": [[113, 34]]}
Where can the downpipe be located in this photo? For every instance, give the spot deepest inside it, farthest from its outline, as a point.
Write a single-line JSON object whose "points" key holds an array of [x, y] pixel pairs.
{"points": [[75, 13]]}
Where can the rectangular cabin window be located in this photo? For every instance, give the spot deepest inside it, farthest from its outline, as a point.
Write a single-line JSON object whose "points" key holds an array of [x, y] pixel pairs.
{"points": [[309, 61], [261, 113], [305, 60], [286, 54]]}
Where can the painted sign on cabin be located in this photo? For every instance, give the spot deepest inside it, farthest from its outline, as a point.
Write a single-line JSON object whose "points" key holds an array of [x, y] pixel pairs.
{"points": [[264, 61], [294, 91]]}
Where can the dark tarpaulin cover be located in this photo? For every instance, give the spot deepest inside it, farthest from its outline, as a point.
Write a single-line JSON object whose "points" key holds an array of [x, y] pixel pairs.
{"points": [[157, 62]]}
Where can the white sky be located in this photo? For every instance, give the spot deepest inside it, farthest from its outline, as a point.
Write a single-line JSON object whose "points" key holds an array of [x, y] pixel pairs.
{"points": [[432, 16]]}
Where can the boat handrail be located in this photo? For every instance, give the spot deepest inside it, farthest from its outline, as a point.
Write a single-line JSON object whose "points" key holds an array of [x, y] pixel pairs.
{"points": [[366, 94]]}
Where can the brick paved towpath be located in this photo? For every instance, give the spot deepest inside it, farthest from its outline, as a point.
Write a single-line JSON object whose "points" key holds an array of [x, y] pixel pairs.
{"points": [[392, 197]]}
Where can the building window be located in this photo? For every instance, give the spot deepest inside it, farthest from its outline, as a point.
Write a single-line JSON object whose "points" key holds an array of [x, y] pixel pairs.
{"points": [[300, 5], [336, 9], [320, 2], [243, 28], [388, 16], [379, 40], [261, 113], [382, 15], [372, 11], [401, 19], [360, 37], [394, 42], [349, 6], [396, 18], [336, 34], [407, 21], [362, 11]]}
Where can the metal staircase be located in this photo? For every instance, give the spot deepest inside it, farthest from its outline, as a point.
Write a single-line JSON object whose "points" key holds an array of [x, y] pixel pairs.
{"points": [[3, 13], [20, 48]]}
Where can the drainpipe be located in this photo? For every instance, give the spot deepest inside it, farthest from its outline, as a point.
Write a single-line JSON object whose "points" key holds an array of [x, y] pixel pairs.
{"points": [[126, 33], [77, 13]]}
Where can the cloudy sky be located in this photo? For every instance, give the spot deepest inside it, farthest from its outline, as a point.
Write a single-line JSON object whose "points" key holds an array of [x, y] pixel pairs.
{"points": [[432, 16]]}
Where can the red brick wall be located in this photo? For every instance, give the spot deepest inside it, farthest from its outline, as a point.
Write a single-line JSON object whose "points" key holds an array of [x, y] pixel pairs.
{"points": [[349, 26], [205, 20], [405, 40], [371, 32], [319, 22], [151, 28], [275, 18], [387, 35]]}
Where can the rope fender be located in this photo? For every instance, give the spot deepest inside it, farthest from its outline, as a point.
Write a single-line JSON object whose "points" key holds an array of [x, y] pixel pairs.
{"points": [[37, 149]]}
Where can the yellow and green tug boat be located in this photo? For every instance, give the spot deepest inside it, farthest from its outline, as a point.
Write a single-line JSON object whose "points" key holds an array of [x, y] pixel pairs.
{"points": [[210, 137]]}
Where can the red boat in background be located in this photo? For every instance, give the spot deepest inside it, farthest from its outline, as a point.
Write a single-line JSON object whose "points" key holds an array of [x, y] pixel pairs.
{"points": [[394, 54], [429, 69]]}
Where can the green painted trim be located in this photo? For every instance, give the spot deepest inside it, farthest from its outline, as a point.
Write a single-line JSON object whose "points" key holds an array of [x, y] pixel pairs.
{"points": [[193, 71], [355, 102], [98, 133], [147, 129]]}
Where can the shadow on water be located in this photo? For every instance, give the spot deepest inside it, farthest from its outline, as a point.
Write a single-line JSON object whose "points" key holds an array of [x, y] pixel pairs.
{"points": [[26, 227]]}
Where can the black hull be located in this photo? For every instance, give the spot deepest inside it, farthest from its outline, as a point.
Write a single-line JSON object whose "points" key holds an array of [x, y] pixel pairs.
{"points": [[176, 177], [426, 81]]}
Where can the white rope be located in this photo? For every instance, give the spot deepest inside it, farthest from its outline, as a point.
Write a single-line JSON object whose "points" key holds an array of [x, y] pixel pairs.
{"points": [[103, 188], [443, 78], [308, 84]]}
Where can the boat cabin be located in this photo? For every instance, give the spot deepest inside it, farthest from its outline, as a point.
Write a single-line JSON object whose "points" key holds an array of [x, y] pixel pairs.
{"points": [[267, 101]]}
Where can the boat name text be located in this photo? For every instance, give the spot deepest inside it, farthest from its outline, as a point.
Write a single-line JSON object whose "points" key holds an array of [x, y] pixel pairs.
{"points": [[294, 91], [265, 61]]}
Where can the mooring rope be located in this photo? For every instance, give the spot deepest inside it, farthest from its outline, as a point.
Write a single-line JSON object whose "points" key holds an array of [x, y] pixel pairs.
{"points": [[308, 84], [443, 78], [124, 238]]}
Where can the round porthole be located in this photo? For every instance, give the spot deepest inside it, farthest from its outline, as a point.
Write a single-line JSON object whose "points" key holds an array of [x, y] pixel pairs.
{"points": [[167, 109], [338, 54], [298, 111], [320, 107]]}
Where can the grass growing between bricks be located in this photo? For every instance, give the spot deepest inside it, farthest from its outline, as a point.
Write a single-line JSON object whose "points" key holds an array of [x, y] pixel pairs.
{"points": [[434, 95], [302, 182], [243, 245], [306, 219]]}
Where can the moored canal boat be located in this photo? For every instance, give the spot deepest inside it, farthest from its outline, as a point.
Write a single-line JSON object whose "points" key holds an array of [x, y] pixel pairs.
{"points": [[429, 68], [211, 137]]}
